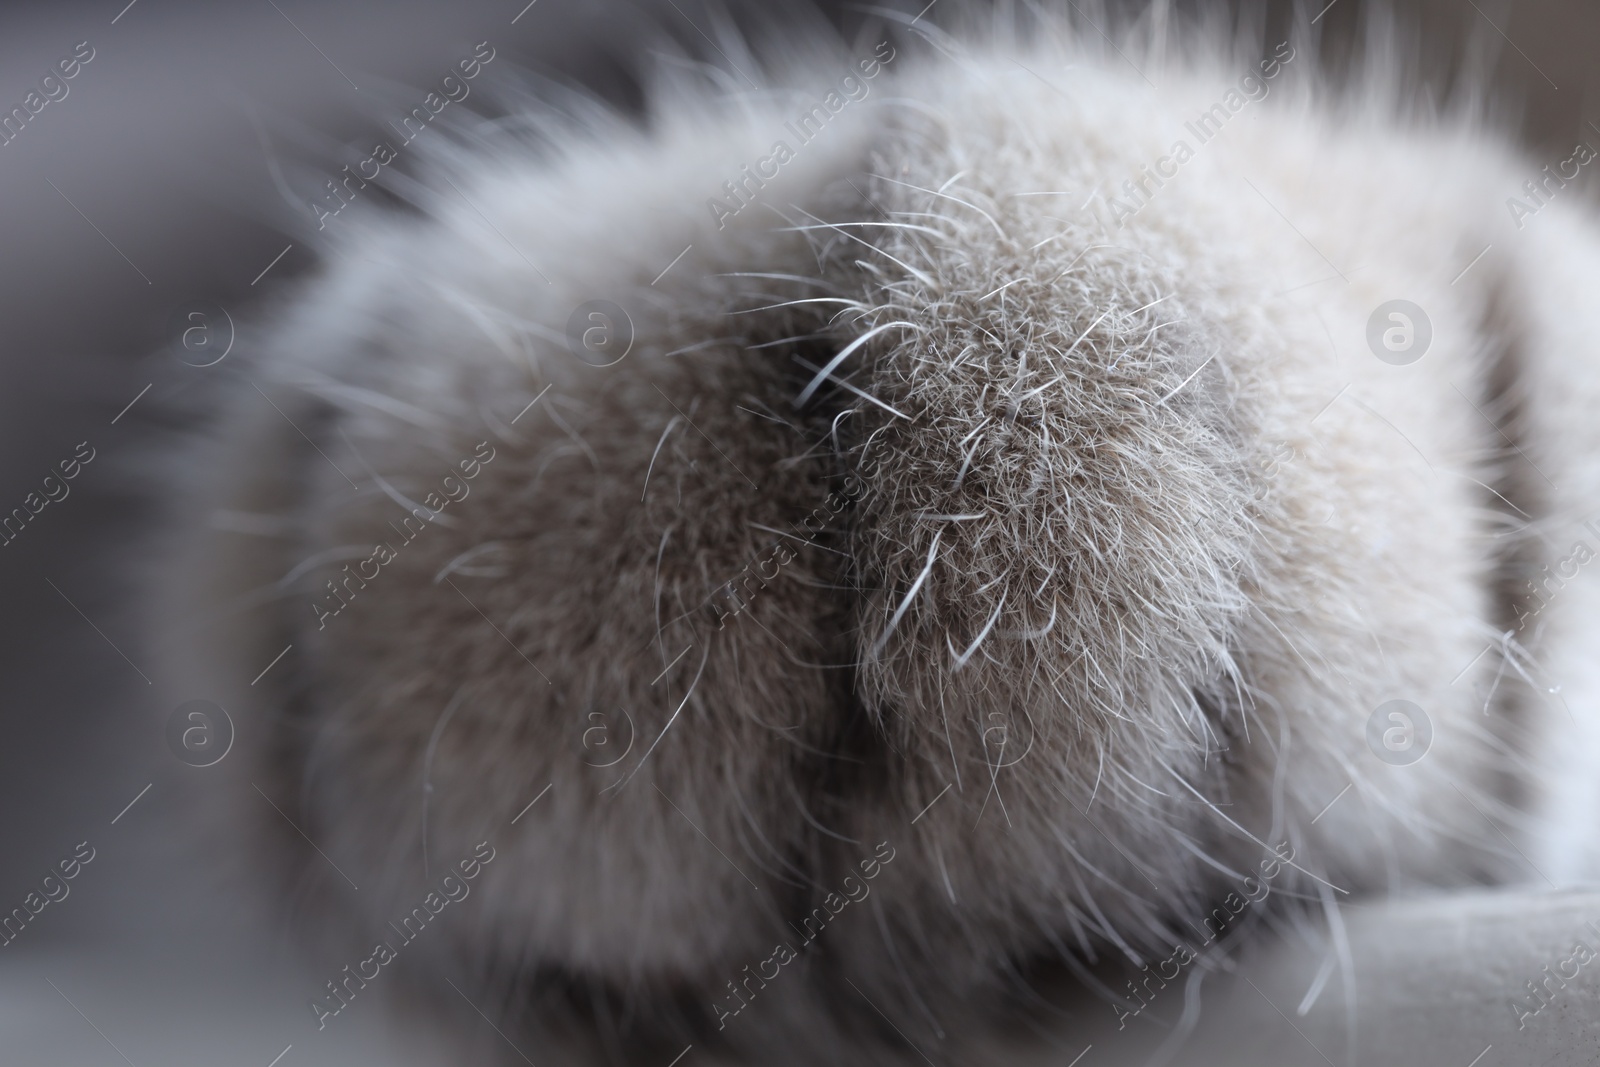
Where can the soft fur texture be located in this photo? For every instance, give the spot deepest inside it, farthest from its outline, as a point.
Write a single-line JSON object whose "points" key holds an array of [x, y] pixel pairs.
{"points": [[1124, 535]]}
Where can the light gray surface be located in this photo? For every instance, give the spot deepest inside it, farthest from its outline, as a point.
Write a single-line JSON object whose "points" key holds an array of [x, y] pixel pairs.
{"points": [[1432, 981]]}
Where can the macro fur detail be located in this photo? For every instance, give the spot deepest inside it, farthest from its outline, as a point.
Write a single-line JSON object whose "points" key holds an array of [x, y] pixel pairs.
{"points": [[972, 487]]}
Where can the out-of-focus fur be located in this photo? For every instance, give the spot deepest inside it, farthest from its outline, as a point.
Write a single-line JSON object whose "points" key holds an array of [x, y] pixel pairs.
{"points": [[1126, 534]]}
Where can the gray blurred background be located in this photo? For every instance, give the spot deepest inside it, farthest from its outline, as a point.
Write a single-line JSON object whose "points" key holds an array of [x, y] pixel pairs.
{"points": [[150, 185]]}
